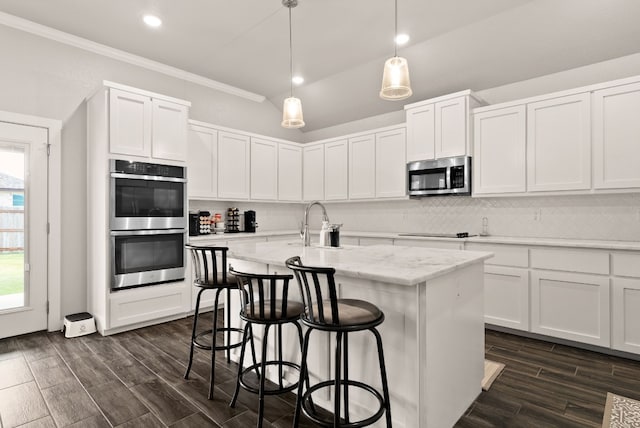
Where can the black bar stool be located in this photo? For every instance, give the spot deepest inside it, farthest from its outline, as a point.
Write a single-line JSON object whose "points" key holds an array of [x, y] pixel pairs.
{"points": [[342, 316], [210, 270], [265, 301]]}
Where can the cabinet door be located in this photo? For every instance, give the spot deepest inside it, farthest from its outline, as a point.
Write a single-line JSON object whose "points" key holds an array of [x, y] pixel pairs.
{"points": [[506, 297], [202, 162], [129, 123], [289, 173], [391, 164], [362, 164], [233, 165], [626, 315], [451, 127], [421, 133], [264, 169], [570, 306], [336, 167], [313, 173], [616, 132], [169, 136], [499, 151], [559, 144]]}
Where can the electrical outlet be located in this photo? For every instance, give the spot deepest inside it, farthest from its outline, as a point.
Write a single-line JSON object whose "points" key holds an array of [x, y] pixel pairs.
{"points": [[537, 214]]}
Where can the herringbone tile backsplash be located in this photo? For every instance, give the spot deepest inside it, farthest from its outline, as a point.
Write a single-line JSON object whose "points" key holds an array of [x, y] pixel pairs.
{"points": [[607, 217]]}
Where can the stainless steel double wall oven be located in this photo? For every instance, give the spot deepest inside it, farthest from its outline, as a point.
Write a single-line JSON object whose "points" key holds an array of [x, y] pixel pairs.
{"points": [[148, 223]]}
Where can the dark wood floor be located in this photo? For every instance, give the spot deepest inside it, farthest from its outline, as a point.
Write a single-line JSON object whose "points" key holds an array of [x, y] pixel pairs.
{"points": [[134, 379]]}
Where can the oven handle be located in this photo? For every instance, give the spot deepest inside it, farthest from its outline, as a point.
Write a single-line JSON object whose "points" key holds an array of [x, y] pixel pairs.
{"points": [[147, 177], [146, 232]]}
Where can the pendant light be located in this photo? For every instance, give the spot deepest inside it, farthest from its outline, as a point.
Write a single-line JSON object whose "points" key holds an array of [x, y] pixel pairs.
{"points": [[395, 78], [292, 108]]}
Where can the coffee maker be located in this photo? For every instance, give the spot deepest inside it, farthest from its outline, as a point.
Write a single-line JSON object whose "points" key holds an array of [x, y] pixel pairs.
{"points": [[250, 223]]}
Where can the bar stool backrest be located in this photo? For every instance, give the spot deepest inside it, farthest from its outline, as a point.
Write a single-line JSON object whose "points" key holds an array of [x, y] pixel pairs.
{"points": [[320, 307], [209, 265], [263, 296]]}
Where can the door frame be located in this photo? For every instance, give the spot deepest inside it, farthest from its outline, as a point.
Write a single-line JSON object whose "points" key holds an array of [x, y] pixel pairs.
{"points": [[54, 261]]}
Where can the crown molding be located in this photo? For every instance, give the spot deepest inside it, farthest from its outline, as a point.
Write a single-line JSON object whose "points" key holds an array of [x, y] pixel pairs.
{"points": [[117, 54]]}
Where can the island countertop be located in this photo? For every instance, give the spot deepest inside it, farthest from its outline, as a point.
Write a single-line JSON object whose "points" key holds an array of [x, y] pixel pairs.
{"points": [[387, 263]]}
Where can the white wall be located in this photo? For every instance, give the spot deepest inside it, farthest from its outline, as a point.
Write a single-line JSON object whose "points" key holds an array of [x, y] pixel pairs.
{"points": [[44, 78]]}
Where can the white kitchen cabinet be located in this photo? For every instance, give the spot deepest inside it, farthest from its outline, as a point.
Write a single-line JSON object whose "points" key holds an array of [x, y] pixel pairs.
{"points": [[439, 127], [336, 167], [616, 132], [571, 306], [146, 126], [233, 165], [202, 163], [313, 172], [362, 167], [390, 163], [130, 307], [559, 144], [264, 169], [625, 314], [289, 172], [506, 297], [499, 151]]}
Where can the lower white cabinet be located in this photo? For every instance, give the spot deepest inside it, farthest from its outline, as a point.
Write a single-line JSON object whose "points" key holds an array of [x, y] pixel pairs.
{"points": [[625, 314], [571, 306], [506, 297]]}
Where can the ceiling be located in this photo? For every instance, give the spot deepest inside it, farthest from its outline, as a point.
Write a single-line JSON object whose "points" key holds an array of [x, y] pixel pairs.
{"points": [[340, 45]]}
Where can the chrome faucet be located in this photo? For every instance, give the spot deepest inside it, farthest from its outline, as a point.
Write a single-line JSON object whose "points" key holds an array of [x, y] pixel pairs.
{"points": [[304, 232]]}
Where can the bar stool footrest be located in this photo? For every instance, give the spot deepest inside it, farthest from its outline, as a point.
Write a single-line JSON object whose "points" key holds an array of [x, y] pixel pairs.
{"points": [[277, 391], [308, 406], [219, 347]]}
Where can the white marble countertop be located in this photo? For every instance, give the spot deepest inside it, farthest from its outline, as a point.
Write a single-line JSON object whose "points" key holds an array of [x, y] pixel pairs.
{"points": [[551, 242], [385, 263]]}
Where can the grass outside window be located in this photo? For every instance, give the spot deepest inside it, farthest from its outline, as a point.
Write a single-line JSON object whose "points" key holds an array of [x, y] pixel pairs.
{"points": [[11, 273]]}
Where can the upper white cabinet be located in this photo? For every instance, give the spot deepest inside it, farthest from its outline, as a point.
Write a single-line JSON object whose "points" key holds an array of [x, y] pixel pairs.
{"points": [[390, 164], [439, 127], [202, 162], [233, 165], [336, 167], [362, 167], [559, 144], [499, 148], [313, 172], [264, 169], [141, 124], [289, 172], [616, 133]]}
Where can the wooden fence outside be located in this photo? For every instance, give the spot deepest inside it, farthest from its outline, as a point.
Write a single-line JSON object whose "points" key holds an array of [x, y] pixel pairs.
{"points": [[11, 230]]}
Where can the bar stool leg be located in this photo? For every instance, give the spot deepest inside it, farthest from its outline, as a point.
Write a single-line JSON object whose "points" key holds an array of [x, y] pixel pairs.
{"points": [[383, 375], [227, 310], [336, 402], [345, 354], [303, 375], [280, 383], [193, 333], [263, 367], [247, 328], [213, 343]]}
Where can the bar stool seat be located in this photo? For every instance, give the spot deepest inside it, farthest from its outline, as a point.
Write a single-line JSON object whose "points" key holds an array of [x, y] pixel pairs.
{"points": [[210, 271], [341, 316], [265, 302]]}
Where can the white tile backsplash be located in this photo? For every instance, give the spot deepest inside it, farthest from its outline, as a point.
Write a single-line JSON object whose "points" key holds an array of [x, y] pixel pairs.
{"points": [[606, 217]]}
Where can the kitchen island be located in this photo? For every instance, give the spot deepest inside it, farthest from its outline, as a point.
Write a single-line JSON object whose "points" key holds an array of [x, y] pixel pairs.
{"points": [[433, 333]]}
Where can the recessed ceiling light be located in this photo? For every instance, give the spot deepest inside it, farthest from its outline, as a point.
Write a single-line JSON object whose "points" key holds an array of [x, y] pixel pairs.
{"points": [[402, 39], [297, 80], [152, 21]]}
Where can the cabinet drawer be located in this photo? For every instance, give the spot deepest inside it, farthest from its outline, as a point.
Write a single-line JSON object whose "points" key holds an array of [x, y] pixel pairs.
{"points": [[503, 255], [571, 260], [129, 307], [626, 264]]}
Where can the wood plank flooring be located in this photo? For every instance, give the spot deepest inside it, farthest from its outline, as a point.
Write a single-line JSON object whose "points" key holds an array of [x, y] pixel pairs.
{"points": [[134, 379]]}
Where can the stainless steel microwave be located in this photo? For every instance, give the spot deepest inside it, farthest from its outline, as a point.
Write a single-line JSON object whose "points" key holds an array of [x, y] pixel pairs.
{"points": [[445, 176]]}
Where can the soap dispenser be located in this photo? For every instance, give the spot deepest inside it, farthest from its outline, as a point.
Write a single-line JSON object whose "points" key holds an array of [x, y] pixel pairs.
{"points": [[324, 234]]}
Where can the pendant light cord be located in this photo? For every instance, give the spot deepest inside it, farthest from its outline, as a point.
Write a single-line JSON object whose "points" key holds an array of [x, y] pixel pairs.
{"points": [[290, 55], [395, 34]]}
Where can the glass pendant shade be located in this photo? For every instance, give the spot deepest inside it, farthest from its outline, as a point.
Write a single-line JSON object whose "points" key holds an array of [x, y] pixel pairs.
{"points": [[395, 79], [292, 113]]}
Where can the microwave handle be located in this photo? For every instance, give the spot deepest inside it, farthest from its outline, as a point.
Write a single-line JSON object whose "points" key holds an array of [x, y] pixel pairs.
{"points": [[147, 177], [448, 178], [146, 232]]}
